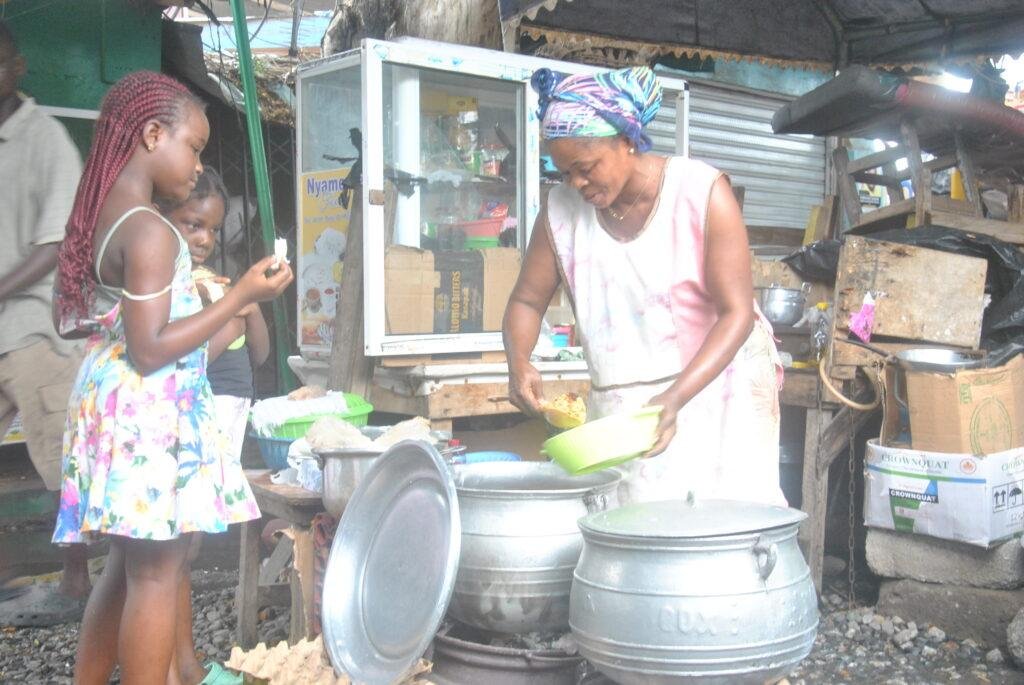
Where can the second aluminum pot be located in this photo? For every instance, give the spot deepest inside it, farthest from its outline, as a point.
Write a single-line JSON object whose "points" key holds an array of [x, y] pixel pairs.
{"points": [[713, 592], [521, 542]]}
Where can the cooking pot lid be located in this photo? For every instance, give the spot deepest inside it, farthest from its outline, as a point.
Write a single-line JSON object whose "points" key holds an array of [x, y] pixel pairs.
{"points": [[683, 519], [392, 566]]}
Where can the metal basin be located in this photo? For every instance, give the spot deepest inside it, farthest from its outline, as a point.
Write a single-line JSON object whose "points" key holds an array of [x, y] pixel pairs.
{"points": [[345, 468], [722, 603], [520, 542], [782, 306], [937, 359]]}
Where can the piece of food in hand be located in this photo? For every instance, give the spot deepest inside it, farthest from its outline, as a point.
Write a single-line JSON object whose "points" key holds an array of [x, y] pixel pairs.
{"points": [[280, 253], [332, 433], [307, 392], [568, 410]]}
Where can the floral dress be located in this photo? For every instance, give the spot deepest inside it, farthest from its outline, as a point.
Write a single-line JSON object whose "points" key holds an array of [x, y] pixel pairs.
{"points": [[143, 456]]}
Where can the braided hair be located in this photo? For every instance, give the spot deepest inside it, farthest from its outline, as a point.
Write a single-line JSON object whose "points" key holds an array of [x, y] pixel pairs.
{"points": [[130, 103], [209, 184]]}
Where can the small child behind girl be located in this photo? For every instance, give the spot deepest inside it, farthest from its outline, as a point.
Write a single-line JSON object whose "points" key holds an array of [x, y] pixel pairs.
{"points": [[242, 344], [144, 463]]}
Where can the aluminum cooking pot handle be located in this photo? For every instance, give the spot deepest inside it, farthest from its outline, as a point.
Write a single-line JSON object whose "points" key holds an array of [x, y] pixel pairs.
{"points": [[767, 554]]}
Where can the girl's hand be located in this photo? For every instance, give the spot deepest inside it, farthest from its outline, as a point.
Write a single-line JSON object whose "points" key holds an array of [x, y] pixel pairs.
{"points": [[256, 286], [525, 388], [666, 430]]}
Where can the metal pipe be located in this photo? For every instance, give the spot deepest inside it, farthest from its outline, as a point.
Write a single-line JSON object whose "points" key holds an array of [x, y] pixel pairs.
{"points": [[259, 168]]}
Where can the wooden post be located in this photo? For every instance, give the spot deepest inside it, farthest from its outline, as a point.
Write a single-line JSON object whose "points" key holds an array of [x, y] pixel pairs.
{"points": [[845, 185], [247, 597], [922, 175], [350, 370], [970, 179], [814, 495]]}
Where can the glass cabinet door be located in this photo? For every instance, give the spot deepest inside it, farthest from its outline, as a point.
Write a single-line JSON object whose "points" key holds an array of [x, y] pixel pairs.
{"points": [[452, 156], [329, 115]]}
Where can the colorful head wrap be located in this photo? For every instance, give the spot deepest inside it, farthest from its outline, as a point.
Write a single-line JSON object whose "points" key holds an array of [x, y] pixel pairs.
{"points": [[592, 106]]}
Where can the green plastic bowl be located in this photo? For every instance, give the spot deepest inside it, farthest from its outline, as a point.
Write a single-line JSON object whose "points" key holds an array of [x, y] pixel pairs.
{"points": [[605, 442]]}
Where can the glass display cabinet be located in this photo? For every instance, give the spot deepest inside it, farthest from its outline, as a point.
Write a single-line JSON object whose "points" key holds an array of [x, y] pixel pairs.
{"points": [[446, 142]]}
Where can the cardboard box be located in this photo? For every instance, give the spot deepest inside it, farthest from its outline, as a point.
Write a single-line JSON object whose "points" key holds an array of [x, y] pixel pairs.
{"points": [[978, 411], [974, 499], [447, 292]]}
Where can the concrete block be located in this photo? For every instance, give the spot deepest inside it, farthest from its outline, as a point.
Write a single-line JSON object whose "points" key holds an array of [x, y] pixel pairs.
{"points": [[1015, 638], [979, 614], [932, 560]]}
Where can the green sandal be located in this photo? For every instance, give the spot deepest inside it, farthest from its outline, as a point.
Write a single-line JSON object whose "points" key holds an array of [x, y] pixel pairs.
{"points": [[218, 675]]}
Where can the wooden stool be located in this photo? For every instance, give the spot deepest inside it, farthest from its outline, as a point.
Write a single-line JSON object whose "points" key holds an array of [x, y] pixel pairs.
{"points": [[256, 586]]}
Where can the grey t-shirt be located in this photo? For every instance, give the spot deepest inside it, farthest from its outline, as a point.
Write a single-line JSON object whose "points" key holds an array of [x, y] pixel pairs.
{"points": [[39, 172]]}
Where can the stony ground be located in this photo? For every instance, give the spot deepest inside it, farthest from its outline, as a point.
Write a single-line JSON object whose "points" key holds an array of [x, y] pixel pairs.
{"points": [[853, 646]]}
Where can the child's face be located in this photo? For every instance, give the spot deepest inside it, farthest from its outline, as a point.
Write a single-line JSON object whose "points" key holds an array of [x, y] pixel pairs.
{"points": [[199, 222], [178, 149]]}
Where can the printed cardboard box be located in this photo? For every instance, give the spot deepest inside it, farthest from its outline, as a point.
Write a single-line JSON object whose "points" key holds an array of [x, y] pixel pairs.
{"points": [[447, 291], [976, 411], [977, 499]]}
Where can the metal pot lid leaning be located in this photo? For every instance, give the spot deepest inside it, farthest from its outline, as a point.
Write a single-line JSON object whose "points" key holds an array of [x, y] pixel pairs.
{"points": [[392, 566], [938, 359], [685, 519]]}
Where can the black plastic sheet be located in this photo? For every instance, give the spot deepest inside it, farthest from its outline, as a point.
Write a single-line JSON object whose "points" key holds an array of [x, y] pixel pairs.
{"points": [[1002, 330]]}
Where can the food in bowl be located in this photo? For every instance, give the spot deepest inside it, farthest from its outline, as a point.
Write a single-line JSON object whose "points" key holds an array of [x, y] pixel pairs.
{"points": [[568, 410], [606, 442]]}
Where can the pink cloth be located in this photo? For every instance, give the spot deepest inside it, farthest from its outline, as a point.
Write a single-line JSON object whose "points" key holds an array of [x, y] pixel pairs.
{"points": [[642, 313]]}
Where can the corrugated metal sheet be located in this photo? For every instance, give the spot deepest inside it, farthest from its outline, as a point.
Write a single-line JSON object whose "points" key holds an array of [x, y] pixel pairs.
{"points": [[783, 176]]}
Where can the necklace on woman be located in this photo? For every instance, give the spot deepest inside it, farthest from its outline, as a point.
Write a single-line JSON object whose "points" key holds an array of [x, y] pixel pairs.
{"points": [[620, 217]]}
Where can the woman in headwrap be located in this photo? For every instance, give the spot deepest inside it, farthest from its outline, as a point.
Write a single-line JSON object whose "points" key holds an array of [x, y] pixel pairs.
{"points": [[653, 253]]}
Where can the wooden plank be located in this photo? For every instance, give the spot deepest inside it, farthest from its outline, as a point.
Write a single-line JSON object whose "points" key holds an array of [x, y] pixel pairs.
{"points": [[800, 388], [876, 159], [897, 209], [921, 175], [487, 399], [879, 179], [279, 558], [1015, 203], [821, 224], [920, 295], [847, 189], [942, 203], [297, 615], [246, 597], [291, 503], [402, 362], [1009, 232], [766, 235]]}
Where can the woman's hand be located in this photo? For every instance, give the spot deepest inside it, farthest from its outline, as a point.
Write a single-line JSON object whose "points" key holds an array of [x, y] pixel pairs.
{"points": [[256, 286], [670, 405], [525, 388]]}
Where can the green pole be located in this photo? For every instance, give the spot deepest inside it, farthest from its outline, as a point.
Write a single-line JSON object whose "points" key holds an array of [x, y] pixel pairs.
{"points": [[285, 380]]}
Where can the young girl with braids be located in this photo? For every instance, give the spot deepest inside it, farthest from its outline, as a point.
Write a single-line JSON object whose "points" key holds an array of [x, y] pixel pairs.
{"points": [[144, 463]]}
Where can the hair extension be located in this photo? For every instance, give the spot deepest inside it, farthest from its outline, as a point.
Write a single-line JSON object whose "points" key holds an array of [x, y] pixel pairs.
{"points": [[130, 103]]}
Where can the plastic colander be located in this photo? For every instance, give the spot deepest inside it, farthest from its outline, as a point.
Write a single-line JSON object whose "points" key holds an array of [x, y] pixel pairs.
{"points": [[605, 442]]}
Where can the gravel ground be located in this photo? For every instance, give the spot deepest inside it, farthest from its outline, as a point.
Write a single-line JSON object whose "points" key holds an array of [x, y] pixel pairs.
{"points": [[855, 646]]}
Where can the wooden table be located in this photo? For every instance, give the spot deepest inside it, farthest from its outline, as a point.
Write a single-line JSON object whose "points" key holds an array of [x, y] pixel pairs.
{"points": [[441, 393], [256, 586]]}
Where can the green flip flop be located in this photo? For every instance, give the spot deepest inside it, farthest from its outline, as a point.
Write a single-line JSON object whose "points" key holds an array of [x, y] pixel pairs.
{"points": [[218, 675]]}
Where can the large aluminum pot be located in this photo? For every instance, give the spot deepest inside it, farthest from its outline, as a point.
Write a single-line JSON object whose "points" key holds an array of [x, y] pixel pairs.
{"points": [[520, 542], [707, 592]]}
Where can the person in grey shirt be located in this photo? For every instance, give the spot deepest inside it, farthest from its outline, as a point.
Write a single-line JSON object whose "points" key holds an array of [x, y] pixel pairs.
{"points": [[39, 171]]}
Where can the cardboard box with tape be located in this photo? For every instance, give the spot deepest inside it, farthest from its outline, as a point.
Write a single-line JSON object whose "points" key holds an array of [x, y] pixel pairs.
{"points": [[447, 292]]}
